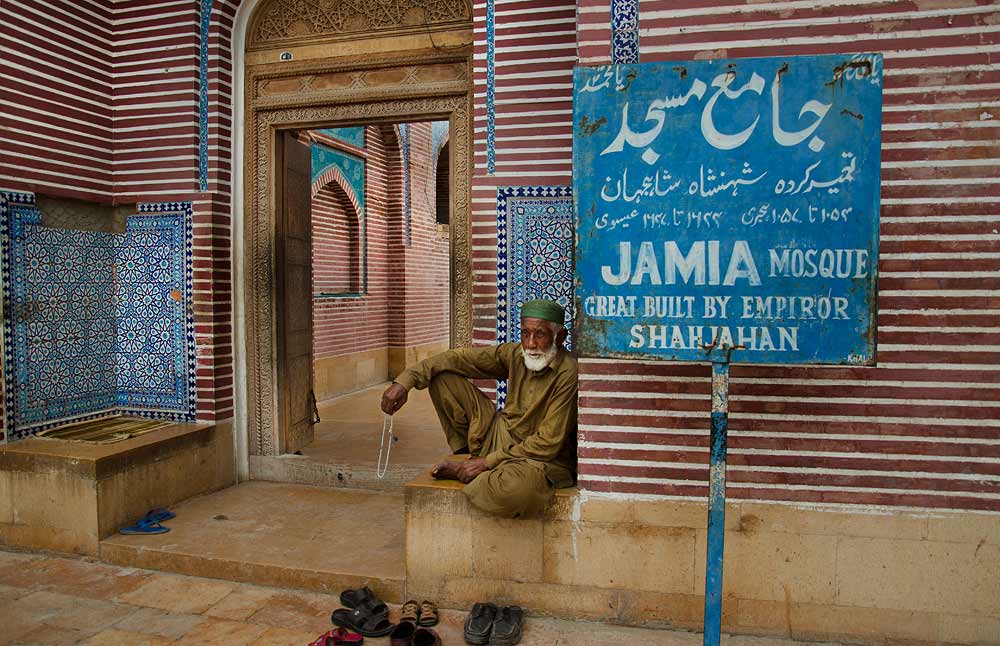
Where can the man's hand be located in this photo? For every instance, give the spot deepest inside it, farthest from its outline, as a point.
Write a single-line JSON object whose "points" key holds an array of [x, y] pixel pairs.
{"points": [[393, 398], [471, 468]]}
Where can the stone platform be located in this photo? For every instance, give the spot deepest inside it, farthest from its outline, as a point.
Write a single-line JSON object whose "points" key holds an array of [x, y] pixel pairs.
{"points": [[318, 539], [830, 573], [67, 496]]}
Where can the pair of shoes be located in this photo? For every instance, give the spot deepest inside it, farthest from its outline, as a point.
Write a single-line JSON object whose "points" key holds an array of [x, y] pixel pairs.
{"points": [[488, 624], [406, 633], [425, 614], [412, 615], [150, 523], [338, 637], [365, 613]]}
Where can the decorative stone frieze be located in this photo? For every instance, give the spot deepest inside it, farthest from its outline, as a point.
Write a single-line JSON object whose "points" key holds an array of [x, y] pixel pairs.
{"points": [[279, 21]]}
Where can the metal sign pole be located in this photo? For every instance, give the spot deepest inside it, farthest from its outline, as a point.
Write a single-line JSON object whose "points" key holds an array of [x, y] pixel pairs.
{"points": [[716, 502]]}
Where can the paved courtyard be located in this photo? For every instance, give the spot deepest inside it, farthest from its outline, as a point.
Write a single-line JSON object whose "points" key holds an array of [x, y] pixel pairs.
{"points": [[46, 599]]}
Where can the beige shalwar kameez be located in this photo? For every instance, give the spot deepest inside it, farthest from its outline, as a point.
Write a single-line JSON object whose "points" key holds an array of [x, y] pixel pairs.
{"points": [[530, 446]]}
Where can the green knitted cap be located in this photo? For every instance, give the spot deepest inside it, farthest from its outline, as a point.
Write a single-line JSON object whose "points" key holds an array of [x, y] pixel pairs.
{"points": [[545, 310]]}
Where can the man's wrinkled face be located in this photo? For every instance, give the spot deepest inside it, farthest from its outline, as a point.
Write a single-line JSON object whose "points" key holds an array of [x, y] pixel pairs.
{"points": [[540, 342]]}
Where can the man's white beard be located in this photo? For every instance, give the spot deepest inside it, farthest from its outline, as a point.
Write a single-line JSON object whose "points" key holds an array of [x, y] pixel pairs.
{"points": [[535, 361]]}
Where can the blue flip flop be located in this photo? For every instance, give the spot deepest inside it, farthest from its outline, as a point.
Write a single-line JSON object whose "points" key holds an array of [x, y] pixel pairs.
{"points": [[144, 526], [159, 515]]}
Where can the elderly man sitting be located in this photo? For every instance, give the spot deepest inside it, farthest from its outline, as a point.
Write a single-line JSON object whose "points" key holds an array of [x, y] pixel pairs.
{"points": [[520, 455]]}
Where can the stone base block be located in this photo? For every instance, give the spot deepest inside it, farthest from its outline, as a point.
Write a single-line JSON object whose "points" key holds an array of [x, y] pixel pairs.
{"points": [[810, 573], [348, 373], [67, 496], [400, 358]]}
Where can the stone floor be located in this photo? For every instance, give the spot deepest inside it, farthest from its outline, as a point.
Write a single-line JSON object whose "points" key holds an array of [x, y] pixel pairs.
{"points": [[345, 449], [351, 428], [46, 599], [322, 539]]}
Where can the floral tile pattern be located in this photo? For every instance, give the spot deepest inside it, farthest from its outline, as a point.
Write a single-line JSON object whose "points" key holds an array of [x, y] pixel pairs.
{"points": [[491, 126], [354, 136], [534, 256], [624, 31], [155, 354], [98, 323], [323, 158], [204, 22], [404, 148]]}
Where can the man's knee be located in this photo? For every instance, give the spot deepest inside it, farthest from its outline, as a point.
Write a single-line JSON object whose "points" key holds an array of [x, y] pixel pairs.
{"points": [[448, 397], [510, 493], [441, 383]]}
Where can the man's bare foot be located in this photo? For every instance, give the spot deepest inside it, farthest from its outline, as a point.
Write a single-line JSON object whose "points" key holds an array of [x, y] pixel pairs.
{"points": [[446, 470]]}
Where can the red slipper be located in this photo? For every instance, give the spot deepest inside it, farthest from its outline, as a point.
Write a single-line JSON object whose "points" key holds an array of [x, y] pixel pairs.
{"points": [[338, 637]]}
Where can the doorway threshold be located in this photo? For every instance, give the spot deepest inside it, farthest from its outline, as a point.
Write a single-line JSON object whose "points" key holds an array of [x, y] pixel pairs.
{"points": [[307, 470], [278, 534], [345, 448]]}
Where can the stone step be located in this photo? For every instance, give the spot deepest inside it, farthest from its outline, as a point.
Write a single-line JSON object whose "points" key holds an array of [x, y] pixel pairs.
{"points": [[350, 474], [278, 534]]}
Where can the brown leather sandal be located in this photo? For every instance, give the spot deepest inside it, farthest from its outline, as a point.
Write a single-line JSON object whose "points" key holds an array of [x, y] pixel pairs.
{"points": [[410, 612], [428, 614]]}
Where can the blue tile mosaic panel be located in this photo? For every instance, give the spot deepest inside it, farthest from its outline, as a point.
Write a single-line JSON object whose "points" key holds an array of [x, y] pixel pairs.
{"points": [[404, 149], [351, 167], [534, 256], [60, 328], [491, 124], [205, 22], [98, 323], [352, 136], [155, 354]]}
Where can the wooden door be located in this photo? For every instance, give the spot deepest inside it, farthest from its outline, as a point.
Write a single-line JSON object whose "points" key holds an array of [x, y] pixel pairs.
{"points": [[296, 403]]}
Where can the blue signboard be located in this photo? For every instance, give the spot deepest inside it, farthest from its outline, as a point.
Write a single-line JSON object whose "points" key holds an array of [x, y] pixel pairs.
{"points": [[728, 203]]}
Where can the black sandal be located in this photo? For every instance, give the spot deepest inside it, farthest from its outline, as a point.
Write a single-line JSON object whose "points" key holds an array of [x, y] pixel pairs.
{"points": [[364, 598], [363, 621]]}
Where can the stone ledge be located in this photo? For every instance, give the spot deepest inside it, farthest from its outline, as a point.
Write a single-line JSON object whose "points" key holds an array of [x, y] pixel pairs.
{"points": [[845, 574], [66, 496], [101, 460]]}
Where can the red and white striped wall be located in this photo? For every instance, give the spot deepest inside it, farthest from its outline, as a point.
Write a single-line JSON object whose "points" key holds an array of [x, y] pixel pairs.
{"points": [[921, 429], [405, 301], [535, 51], [56, 98]]}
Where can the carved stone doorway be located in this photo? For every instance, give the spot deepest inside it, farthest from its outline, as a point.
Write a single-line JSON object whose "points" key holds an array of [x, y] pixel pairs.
{"points": [[329, 63]]}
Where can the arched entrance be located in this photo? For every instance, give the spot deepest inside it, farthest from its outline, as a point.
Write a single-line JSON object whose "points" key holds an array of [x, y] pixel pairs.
{"points": [[323, 64]]}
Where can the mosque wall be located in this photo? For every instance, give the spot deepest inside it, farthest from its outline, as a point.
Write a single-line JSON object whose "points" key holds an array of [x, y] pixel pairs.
{"points": [[351, 333], [58, 83], [104, 102], [917, 431], [425, 306], [400, 309], [863, 494]]}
